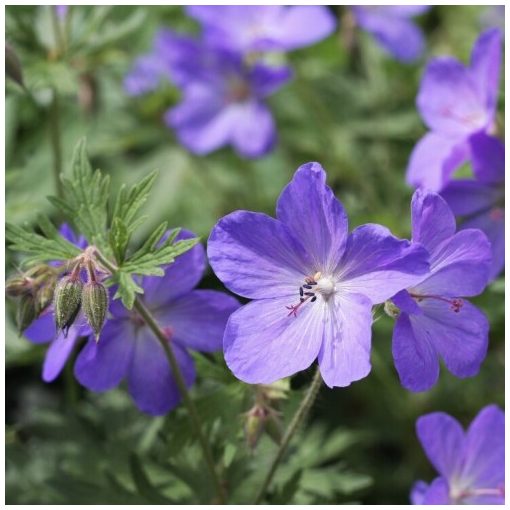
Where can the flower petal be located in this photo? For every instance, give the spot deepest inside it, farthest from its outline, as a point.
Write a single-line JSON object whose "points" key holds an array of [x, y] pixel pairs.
{"points": [[150, 380], [488, 155], [434, 159], [442, 439], [378, 265], [485, 66], [460, 337], [310, 209], [264, 343], [484, 462], [254, 132], [418, 491], [43, 329], [459, 266], [101, 366], [449, 100], [416, 362], [57, 355], [265, 80], [180, 277], [198, 319], [256, 256], [145, 75], [345, 352], [438, 493], [406, 303], [467, 197], [432, 220]]}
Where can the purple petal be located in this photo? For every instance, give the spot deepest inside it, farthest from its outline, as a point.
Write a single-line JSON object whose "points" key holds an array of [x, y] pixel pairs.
{"points": [[438, 493], [432, 220], [418, 491], [150, 380], [180, 277], [459, 266], [345, 352], [484, 463], [378, 265], [460, 335], [202, 121], [264, 343], [57, 354], [256, 256], [253, 134], [303, 25], [43, 329], [485, 67], [434, 159], [101, 366], [415, 359], [467, 197], [442, 439], [492, 223], [145, 75], [198, 319], [68, 233], [310, 209], [406, 303], [488, 155], [449, 101], [404, 11], [265, 80]]}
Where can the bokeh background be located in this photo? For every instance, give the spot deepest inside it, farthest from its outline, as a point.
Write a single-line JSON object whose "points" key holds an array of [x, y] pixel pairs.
{"points": [[354, 112]]}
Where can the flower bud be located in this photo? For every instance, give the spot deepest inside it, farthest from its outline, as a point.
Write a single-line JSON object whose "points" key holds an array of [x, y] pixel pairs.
{"points": [[255, 420], [67, 301], [274, 428], [18, 286], [26, 312], [44, 296], [391, 309], [95, 305]]}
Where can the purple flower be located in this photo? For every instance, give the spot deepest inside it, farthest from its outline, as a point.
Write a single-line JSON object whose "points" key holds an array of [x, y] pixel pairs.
{"points": [[258, 28], [61, 10], [435, 321], [43, 329], [192, 319], [481, 201], [312, 284], [458, 104], [393, 29], [471, 464]]}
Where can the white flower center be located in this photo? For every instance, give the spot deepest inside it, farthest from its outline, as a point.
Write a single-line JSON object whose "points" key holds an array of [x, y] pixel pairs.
{"points": [[314, 286], [326, 286]]}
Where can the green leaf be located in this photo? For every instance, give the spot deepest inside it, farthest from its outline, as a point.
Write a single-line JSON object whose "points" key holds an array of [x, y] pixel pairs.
{"points": [[127, 289], [41, 248], [144, 485], [119, 238]]}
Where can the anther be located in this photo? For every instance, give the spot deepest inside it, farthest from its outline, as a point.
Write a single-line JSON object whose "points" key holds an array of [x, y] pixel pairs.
{"points": [[313, 299], [307, 286], [300, 291], [309, 294]]}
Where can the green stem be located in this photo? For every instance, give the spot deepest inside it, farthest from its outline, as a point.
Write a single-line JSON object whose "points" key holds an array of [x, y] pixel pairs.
{"points": [[151, 322], [296, 421], [56, 143]]}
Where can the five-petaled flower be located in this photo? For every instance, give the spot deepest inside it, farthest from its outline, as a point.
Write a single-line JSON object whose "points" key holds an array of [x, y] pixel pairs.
{"points": [[312, 283], [192, 319], [434, 318], [393, 29], [458, 104], [471, 464]]}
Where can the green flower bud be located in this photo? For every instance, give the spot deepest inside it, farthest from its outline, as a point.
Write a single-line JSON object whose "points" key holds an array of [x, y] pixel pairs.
{"points": [[67, 301], [44, 296], [255, 420], [26, 312], [18, 286], [95, 305], [274, 428], [391, 309]]}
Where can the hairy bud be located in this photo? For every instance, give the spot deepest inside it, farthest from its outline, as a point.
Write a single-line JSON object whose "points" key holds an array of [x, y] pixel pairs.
{"points": [[95, 305], [18, 286], [391, 309], [254, 424], [44, 296], [26, 312], [67, 301]]}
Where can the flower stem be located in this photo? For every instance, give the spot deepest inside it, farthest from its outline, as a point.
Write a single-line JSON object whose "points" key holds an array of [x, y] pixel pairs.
{"points": [[296, 421], [151, 322], [56, 143]]}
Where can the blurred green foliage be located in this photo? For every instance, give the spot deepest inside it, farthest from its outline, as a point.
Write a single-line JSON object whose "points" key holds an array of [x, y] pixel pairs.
{"points": [[354, 113]]}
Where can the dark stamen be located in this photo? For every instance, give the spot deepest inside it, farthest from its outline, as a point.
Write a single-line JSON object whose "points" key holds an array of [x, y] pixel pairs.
{"points": [[307, 286], [300, 291], [309, 294], [313, 299]]}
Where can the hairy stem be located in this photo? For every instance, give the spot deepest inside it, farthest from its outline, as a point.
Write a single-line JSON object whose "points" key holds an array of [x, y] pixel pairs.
{"points": [[296, 421], [151, 322], [56, 143]]}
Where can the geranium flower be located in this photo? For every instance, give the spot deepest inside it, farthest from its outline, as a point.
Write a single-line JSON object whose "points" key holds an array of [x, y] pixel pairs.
{"points": [[392, 28], [44, 331], [256, 28], [192, 319], [435, 320], [312, 283], [481, 201], [458, 104], [471, 464]]}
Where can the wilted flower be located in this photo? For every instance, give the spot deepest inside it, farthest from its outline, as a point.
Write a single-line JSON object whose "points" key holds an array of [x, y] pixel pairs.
{"points": [[471, 464], [191, 319], [481, 201], [458, 104], [392, 28], [260, 28], [312, 283], [435, 321]]}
